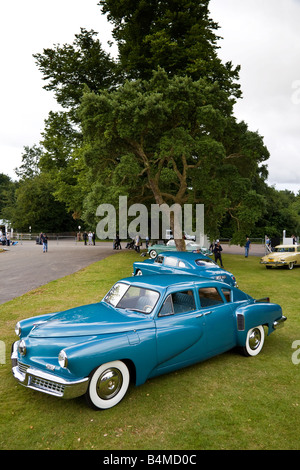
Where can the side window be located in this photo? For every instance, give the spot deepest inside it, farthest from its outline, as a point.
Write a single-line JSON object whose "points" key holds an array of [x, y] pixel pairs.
{"points": [[181, 264], [159, 259], [298, 249], [209, 296], [178, 302], [170, 261], [167, 308], [227, 294]]}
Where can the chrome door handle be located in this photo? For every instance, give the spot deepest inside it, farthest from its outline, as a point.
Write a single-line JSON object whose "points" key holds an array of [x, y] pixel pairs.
{"points": [[202, 314]]}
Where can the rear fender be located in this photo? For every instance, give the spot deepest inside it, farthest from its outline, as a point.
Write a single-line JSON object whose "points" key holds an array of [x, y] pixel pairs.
{"points": [[250, 316]]}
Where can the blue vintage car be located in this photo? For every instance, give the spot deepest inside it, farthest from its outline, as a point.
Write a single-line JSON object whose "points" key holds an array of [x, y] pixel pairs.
{"points": [[145, 326], [182, 262]]}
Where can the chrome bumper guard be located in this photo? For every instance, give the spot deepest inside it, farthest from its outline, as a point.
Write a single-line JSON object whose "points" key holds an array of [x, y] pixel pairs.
{"points": [[279, 323], [47, 383]]}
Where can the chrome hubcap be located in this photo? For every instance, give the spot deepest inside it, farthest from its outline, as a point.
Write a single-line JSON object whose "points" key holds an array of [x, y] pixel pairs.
{"points": [[109, 383], [255, 339]]}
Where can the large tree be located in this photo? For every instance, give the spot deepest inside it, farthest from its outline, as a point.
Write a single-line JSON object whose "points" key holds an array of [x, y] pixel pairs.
{"points": [[158, 122], [167, 138]]}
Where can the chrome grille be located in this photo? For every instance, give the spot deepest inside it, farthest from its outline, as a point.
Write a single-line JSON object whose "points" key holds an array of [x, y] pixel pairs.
{"points": [[47, 385], [22, 367]]}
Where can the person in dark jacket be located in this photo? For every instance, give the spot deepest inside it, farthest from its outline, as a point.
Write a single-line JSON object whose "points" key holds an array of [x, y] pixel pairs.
{"points": [[217, 253]]}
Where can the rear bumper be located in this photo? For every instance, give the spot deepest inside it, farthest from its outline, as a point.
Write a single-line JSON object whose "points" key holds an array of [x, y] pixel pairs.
{"points": [[279, 323], [46, 383]]}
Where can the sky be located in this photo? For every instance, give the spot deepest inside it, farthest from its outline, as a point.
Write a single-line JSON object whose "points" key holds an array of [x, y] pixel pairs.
{"points": [[262, 36]]}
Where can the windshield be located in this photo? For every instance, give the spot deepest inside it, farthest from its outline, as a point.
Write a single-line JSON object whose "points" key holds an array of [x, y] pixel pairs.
{"points": [[284, 249], [132, 298]]}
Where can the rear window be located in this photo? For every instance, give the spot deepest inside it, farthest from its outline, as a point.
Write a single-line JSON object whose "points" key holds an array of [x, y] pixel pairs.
{"points": [[204, 262]]}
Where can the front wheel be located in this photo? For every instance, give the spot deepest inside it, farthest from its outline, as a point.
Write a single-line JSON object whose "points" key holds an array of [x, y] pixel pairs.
{"points": [[291, 265], [108, 385], [254, 341]]}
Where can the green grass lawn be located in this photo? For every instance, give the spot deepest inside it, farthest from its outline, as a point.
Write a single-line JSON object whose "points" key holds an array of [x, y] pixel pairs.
{"points": [[228, 402]]}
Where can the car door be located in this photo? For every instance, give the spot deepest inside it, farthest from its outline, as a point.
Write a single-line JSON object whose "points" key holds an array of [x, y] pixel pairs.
{"points": [[218, 319], [179, 330]]}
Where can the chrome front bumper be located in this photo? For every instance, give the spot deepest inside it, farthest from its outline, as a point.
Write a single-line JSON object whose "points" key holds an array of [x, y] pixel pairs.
{"points": [[47, 383]]}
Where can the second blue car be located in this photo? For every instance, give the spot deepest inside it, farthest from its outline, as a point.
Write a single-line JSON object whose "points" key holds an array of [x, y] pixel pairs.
{"points": [[182, 262]]}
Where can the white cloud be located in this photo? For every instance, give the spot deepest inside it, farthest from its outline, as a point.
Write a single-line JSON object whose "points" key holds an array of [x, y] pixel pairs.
{"points": [[27, 28], [263, 37]]}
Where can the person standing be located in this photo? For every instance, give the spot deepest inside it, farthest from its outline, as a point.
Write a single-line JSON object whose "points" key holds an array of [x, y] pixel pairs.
{"points": [[85, 237], [217, 253], [45, 242], [138, 243], [247, 247]]}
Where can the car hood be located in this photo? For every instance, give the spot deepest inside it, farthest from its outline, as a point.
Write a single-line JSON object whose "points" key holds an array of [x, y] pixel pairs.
{"points": [[93, 319]]}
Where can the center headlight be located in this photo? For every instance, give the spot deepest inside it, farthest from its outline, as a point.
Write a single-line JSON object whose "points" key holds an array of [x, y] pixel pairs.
{"points": [[63, 359]]}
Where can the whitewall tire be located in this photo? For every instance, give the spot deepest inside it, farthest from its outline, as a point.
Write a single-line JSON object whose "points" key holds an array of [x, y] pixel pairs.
{"points": [[108, 385]]}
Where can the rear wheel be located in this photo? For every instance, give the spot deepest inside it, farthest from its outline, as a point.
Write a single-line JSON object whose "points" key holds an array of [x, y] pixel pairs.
{"points": [[152, 254], [254, 341], [108, 385], [138, 272]]}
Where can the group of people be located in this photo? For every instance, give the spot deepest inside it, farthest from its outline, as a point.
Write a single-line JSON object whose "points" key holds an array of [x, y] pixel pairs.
{"points": [[135, 243], [89, 238], [5, 239]]}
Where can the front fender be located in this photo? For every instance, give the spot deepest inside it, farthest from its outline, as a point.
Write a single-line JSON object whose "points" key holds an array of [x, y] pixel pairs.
{"points": [[138, 347], [146, 268], [250, 316]]}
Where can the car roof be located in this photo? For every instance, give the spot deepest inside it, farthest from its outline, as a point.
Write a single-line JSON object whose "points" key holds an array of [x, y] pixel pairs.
{"points": [[285, 246], [162, 281], [187, 255]]}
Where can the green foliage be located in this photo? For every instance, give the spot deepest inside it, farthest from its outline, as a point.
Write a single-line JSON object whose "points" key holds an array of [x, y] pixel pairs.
{"points": [[36, 207], [7, 195], [71, 67], [178, 35]]}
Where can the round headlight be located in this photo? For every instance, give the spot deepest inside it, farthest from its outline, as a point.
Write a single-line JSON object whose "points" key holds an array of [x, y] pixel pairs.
{"points": [[18, 329], [63, 359], [22, 347]]}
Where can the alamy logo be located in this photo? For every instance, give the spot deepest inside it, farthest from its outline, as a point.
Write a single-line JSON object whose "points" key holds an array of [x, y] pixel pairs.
{"points": [[160, 214], [2, 352]]}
